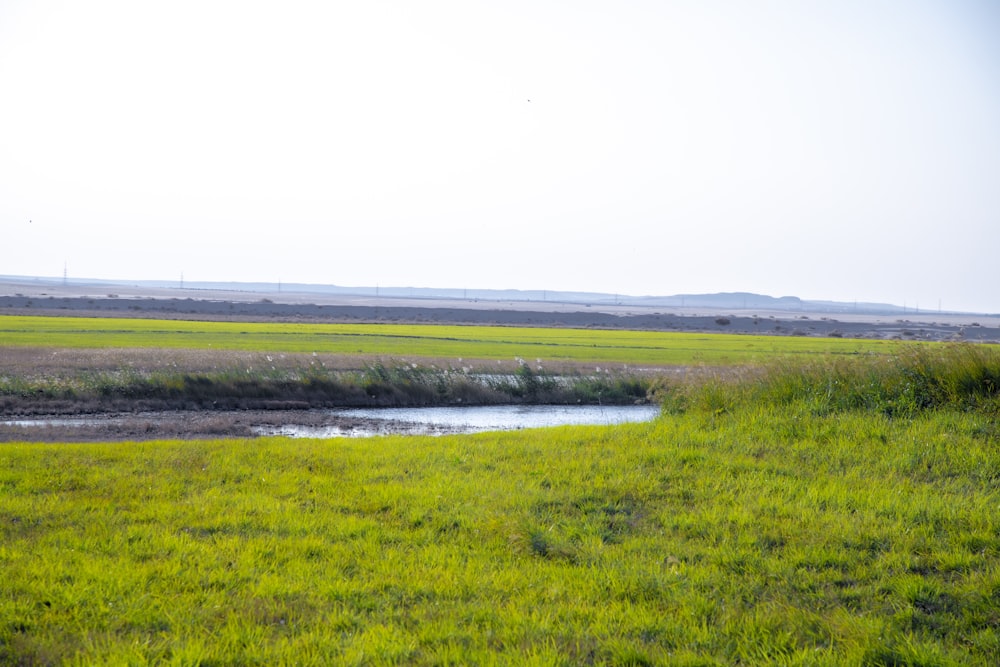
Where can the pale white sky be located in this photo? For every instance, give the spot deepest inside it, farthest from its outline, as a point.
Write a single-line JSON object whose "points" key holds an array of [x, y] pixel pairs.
{"points": [[838, 149]]}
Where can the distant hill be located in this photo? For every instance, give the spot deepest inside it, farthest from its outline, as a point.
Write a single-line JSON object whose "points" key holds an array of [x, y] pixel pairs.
{"points": [[734, 301]]}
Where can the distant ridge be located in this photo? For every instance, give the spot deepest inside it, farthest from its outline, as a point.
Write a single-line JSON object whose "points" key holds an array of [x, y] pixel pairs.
{"points": [[734, 301]]}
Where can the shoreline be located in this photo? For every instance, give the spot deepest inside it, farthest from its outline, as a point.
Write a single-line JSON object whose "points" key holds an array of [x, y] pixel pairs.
{"points": [[172, 425]]}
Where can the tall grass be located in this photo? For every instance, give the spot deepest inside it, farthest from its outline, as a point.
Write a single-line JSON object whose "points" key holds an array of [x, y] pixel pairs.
{"points": [[378, 384], [955, 376]]}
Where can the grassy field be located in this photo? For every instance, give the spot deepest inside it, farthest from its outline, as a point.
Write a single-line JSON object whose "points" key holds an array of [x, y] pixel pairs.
{"points": [[833, 511], [427, 341], [62, 364]]}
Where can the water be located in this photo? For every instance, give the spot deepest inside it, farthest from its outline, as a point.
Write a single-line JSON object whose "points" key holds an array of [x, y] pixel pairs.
{"points": [[58, 421], [362, 422], [365, 422]]}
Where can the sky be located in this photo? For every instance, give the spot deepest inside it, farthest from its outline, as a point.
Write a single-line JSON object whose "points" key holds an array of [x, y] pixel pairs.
{"points": [[840, 149]]}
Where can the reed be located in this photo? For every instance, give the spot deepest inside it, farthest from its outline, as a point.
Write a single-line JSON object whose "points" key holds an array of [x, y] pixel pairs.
{"points": [[379, 384]]}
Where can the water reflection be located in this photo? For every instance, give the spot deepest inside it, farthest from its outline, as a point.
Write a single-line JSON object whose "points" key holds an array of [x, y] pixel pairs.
{"points": [[346, 422], [363, 422]]}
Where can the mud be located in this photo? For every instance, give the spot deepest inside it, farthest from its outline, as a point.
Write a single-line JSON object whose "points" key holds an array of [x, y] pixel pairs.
{"points": [[168, 425]]}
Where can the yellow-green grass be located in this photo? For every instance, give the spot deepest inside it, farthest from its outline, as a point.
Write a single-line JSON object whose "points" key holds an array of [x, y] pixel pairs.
{"points": [[428, 341], [844, 509], [762, 535]]}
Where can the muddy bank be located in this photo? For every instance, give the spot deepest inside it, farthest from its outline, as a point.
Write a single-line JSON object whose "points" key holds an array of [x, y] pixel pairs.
{"points": [[212, 392], [169, 424], [309, 423]]}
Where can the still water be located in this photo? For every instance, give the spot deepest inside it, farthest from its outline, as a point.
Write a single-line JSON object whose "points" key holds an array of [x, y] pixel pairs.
{"points": [[362, 422]]}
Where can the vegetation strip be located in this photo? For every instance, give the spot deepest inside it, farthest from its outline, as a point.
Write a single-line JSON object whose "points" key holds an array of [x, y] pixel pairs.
{"points": [[401, 379], [439, 341]]}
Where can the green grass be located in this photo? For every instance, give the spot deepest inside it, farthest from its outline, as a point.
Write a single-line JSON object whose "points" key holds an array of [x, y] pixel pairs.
{"points": [[452, 364], [752, 524], [434, 341], [916, 378]]}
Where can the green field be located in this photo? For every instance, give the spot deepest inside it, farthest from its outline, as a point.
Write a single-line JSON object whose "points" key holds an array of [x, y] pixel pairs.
{"points": [[830, 509], [433, 341], [162, 364], [761, 537]]}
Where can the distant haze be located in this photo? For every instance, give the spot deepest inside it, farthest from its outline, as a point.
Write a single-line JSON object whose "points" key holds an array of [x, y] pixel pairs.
{"points": [[843, 150]]}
